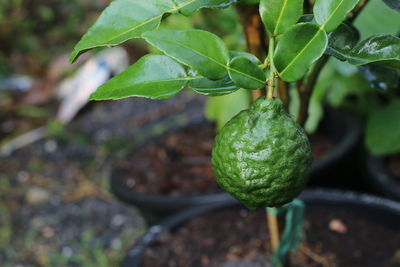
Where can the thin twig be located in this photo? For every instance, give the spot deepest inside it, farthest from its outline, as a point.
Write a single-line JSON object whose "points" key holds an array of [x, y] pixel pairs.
{"points": [[354, 14], [305, 88], [283, 89], [314, 256]]}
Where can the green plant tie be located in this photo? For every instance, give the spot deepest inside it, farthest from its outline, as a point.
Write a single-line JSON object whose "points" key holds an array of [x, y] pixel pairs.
{"points": [[292, 232]]}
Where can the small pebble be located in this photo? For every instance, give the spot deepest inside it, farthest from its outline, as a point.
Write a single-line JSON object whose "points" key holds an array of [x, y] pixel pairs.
{"points": [[37, 195], [338, 226]]}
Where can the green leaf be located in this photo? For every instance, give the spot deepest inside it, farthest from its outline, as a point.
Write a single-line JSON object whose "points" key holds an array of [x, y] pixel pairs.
{"points": [[299, 47], [279, 15], [341, 41], [189, 7], [383, 130], [152, 76], [330, 13], [379, 49], [126, 19], [395, 4], [208, 87], [121, 21], [251, 57], [381, 78], [222, 108], [201, 50], [245, 74]]}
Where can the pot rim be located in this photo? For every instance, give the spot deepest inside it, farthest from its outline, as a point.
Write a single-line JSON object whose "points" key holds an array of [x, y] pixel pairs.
{"points": [[352, 135], [380, 179]]}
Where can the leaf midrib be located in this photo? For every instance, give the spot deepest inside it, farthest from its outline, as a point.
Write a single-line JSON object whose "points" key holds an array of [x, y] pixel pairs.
{"points": [[203, 55], [146, 83], [176, 8], [278, 21], [332, 14], [301, 52], [115, 38]]}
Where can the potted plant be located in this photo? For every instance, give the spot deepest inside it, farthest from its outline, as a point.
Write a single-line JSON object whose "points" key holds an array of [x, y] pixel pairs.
{"points": [[262, 156], [160, 188]]}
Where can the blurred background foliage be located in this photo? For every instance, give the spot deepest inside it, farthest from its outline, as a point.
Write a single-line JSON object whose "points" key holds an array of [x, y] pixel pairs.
{"points": [[33, 31]]}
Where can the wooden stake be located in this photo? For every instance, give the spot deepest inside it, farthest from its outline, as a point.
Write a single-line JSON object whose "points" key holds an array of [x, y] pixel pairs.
{"points": [[274, 232]]}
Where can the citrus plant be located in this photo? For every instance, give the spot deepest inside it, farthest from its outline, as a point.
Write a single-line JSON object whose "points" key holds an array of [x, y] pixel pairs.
{"points": [[262, 156]]}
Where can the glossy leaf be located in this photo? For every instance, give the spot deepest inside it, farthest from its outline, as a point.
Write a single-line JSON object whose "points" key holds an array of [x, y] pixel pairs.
{"points": [[251, 57], [246, 74], [395, 4], [208, 87], [152, 76], [379, 49], [298, 49], [381, 78], [189, 7], [341, 41], [330, 13], [126, 19], [383, 130], [201, 50], [279, 15]]}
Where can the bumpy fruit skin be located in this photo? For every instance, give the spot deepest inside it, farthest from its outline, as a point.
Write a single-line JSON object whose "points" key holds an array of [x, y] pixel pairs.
{"points": [[262, 156]]}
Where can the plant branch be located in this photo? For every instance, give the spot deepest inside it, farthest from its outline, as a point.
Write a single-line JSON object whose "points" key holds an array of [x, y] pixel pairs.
{"points": [[305, 88], [272, 70], [283, 90], [255, 34], [356, 11]]}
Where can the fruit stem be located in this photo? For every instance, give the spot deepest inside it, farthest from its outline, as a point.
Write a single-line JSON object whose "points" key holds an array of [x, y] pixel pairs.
{"points": [[272, 69]]}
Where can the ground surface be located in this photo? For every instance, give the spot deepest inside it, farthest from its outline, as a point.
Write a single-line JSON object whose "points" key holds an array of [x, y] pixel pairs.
{"points": [[55, 208]]}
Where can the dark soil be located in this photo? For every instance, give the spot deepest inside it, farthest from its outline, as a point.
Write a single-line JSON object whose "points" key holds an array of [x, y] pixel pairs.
{"points": [[235, 237], [321, 145], [179, 163], [393, 165]]}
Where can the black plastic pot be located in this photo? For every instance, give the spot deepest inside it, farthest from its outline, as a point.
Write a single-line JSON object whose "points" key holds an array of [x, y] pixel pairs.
{"points": [[343, 128], [379, 179], [373, 208], [156, 207], [337, 168]]}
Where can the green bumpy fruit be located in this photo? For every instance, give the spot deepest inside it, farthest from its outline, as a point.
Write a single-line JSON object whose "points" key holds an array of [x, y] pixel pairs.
{"points": [[262, 156]]}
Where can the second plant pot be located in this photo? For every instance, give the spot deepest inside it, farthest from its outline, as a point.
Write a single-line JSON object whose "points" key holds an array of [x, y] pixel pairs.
{"points": [[384, 175], [173, 171], [342, 229]]}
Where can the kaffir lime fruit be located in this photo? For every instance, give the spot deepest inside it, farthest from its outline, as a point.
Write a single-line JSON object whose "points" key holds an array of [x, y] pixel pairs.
{"points": [[262, 156]]}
